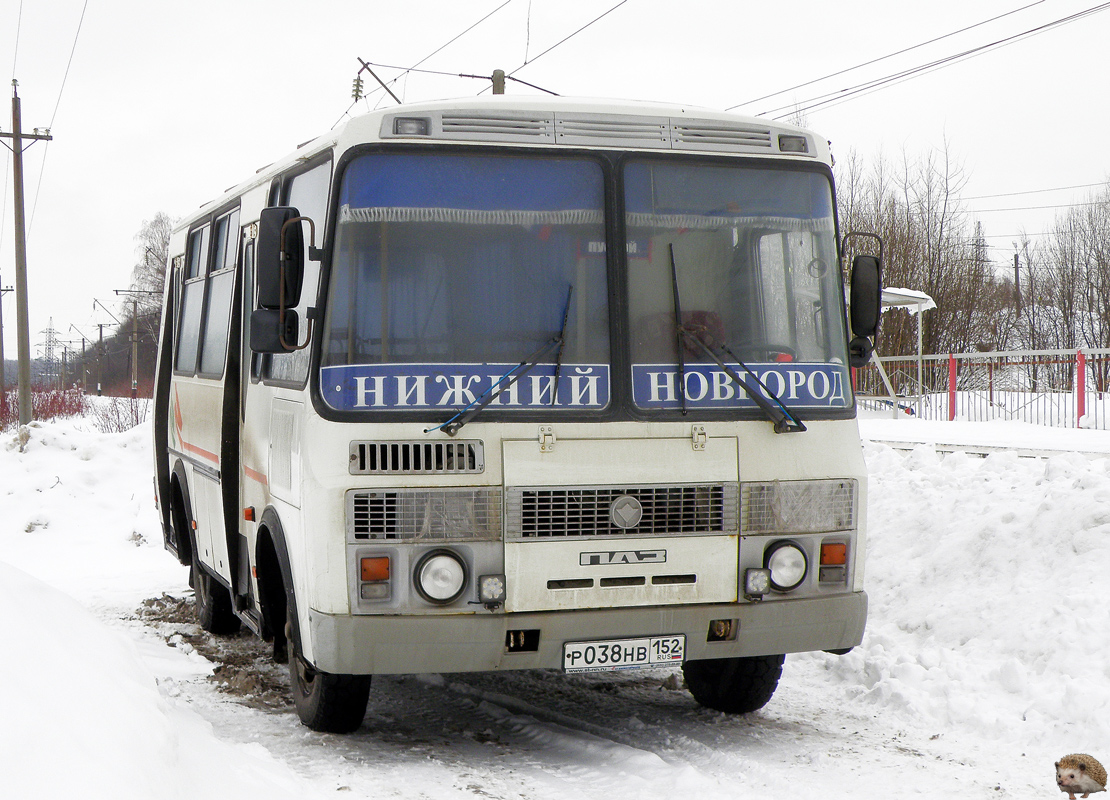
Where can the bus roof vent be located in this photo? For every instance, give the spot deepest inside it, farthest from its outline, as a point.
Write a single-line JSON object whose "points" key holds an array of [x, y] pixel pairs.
{"points": [[500, 127], [611, 129], [723, 136], [417, 458]]}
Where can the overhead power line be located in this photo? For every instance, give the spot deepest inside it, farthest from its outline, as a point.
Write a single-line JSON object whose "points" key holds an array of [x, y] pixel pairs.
{"points": [[1037, 208], [884, 58], [453, 75], [406, 70], [61, 89], [1036, 191], [867, 87], [18, 29], [69, 63], [565, 39]]}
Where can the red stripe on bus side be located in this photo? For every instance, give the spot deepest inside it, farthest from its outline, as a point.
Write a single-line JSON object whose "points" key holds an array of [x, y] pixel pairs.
{"points": [[200, 451], [257, 476]]}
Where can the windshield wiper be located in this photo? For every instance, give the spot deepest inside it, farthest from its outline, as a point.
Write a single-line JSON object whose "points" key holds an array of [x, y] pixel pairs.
{"points": [[785, 420], [562, 343], [453, 425]]}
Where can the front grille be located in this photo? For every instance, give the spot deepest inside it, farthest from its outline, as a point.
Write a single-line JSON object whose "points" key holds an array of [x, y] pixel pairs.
{"points": [[464, 456], [575, 512], [424, 514]]}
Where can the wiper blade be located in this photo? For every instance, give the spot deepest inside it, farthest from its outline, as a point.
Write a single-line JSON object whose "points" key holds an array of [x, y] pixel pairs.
{"points": [[679, 331], [562, 343], [785, 420], [453, 425]]}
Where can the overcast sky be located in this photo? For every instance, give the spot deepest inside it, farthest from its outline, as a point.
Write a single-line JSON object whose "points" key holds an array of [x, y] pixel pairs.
{"points": [[167, 104]]}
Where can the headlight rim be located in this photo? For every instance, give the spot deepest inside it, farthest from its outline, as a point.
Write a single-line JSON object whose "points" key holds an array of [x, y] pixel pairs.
{"points": [[770, 552], [421, 565]]}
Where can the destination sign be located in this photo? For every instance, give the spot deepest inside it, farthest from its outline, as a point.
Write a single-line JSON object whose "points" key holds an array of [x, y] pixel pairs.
{"points": [[415, 387]]}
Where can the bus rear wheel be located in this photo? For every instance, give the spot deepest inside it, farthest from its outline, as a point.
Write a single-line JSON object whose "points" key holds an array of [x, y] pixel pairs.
{"points": [[326, 703], [734, 685]]}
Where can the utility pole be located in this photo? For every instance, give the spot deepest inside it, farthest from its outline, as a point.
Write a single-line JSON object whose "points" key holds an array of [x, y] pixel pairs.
{"points": [[84, 365], [100, 356], [100, 348], [3, 380], [24, 337], [135, 334]]}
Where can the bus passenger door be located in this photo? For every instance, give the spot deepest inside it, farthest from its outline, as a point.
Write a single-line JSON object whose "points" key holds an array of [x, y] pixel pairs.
{"points": [[252, 399]]}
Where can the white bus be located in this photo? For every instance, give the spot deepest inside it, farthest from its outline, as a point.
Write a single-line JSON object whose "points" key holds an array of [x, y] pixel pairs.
{"points": [[517, 383]]}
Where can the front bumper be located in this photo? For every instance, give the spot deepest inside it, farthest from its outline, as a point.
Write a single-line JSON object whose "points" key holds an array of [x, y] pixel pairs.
{"points": [[476, 642]]}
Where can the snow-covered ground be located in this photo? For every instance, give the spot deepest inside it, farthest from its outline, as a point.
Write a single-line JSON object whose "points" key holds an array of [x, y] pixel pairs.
{"points": [[986, 658]]}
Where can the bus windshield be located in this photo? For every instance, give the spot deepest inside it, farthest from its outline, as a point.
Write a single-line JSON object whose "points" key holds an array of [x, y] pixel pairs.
{"points": [[753, 252], [449, 270]]}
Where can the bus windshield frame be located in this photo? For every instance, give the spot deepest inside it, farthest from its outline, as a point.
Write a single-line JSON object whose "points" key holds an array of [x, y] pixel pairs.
{"points": [[751, 250], [493, 241]]}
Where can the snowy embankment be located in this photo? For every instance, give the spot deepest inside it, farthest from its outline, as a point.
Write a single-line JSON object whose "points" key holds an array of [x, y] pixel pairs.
{"points": [[83, 714], [988, 636], [989, 591]]}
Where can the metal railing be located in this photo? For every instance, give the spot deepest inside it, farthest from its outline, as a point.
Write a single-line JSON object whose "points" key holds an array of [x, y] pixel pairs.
{"points": [[1061, 388]]}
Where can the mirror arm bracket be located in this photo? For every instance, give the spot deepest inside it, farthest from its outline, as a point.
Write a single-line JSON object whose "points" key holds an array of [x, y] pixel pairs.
{"points": [[315, 254]]}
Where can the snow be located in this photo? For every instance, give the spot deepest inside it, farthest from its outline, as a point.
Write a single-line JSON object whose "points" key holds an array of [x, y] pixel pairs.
{"points": [[986, 655]]}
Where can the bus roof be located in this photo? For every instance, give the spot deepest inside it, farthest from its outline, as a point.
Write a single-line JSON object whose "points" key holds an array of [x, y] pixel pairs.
{"points": [[557, 123]]}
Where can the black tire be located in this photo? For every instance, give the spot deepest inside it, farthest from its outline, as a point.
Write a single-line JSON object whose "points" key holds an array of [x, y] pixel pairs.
{"points": [[734, 685], [213, 600], [326, 703]]}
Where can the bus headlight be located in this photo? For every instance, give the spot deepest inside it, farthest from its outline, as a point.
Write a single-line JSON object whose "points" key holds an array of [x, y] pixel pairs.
{"points": [[788, 565], [795, 507], [440, 576]]}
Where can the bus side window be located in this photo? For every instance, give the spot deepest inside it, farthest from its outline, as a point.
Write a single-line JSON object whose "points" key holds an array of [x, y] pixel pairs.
{"points": [[246, 264], [221, 287], [192, 301]]}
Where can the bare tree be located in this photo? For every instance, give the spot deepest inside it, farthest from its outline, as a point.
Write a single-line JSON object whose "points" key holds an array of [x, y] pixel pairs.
{"points": [[930, 245], [149, 272]]}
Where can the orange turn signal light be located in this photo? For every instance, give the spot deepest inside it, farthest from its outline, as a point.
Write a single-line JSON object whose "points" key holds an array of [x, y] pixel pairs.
{"points": [[834, 553], [375, 569]]}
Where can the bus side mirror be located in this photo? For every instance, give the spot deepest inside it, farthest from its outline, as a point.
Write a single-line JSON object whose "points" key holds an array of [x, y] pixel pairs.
{"points": [[279, 258], [865, 299], [270, 328]]}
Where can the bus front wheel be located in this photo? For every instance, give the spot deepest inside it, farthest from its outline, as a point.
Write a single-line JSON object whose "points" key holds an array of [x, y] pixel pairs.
{"points": [[325, 702], [734, 685], [214, 610]]}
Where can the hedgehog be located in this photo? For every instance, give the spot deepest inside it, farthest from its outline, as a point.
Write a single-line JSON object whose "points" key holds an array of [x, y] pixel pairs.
{"points": [[1080, 773]]}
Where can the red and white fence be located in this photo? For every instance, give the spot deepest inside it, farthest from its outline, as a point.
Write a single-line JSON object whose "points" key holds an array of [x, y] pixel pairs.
{"points": [[1062, 388]]}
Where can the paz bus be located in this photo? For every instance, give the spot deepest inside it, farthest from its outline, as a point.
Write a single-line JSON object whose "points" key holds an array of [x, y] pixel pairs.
{"points": [[521, 383]]}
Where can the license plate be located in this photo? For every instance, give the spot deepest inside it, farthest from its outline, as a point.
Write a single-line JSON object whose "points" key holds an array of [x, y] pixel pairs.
{"points": [[620, 654]]}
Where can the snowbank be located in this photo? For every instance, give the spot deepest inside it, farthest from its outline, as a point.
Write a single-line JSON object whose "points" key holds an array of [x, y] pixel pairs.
{"points": [[83, 716], [987, 636], [987, 580]]}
